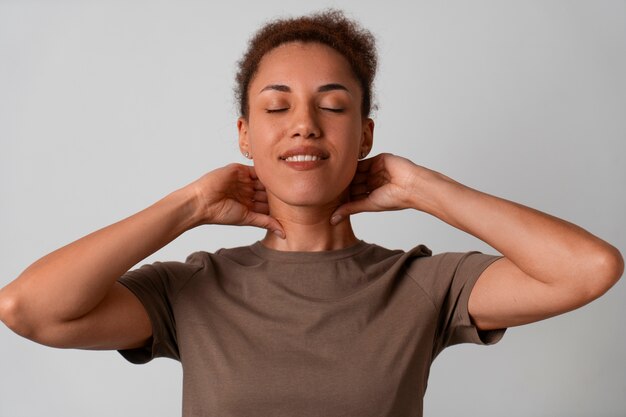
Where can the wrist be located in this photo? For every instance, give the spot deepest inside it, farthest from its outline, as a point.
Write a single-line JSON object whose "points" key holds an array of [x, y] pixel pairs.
{"points": [[431, 190], [185, 203]]}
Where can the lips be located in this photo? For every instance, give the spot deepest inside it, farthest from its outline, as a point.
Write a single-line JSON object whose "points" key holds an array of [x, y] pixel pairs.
{"points": [[304, 154], [304, 158]]}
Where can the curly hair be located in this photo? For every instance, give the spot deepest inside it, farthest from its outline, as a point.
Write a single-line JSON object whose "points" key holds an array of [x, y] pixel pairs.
{"points": [[329, 27]]}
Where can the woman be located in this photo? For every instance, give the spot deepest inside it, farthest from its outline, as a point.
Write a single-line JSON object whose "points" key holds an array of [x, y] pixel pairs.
{"points": [[310, 320]]}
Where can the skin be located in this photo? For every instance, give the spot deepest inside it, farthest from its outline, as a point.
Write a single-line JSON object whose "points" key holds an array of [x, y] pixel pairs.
{"points": [[303, 201], [70, 297]]}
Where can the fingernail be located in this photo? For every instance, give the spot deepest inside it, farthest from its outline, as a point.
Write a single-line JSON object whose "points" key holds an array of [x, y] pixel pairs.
{"points": [[335, 219], [279, 234]]}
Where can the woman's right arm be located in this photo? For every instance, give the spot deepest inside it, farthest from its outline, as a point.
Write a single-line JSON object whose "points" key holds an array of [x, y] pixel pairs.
{"points": [[70, 298]]}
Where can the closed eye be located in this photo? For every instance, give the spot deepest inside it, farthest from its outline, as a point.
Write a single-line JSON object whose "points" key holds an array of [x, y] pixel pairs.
{"points": [[332, 109], [275, 110]]}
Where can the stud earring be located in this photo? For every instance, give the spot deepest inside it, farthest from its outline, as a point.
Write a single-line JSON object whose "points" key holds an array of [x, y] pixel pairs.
{"points": [[247, 155]]}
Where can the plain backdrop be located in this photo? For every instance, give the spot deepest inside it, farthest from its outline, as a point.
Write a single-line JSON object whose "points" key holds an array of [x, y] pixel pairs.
{"points": [[107, 106]]}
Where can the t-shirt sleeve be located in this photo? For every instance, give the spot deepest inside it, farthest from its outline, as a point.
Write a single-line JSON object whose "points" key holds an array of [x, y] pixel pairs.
{"points": [[449, 279], [156, 286]]}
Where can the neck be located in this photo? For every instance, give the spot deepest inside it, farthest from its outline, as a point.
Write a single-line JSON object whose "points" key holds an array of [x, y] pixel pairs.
{"points": [[308, 229]]}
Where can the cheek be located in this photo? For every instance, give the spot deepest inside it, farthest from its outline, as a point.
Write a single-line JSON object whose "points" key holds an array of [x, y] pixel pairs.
{"points": [[262, 137], [264, 173], [347, 174]]}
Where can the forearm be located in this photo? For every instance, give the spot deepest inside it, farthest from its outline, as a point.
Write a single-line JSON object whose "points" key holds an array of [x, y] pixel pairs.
{"points": [[545, 247], [72, 280], [551, 266]]}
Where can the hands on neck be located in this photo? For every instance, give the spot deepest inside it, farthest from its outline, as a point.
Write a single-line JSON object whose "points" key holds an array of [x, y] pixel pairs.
{"points": [[308, 228]]}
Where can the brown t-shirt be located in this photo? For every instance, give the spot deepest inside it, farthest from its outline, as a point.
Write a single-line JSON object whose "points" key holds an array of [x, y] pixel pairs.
{"points": [[348, 332]]}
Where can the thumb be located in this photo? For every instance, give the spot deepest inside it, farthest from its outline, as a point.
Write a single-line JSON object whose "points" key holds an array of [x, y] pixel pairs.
{"points": [[266, 222], [351, 207]]}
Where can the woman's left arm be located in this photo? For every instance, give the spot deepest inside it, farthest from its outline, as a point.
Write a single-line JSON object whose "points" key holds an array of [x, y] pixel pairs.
{"points": [[550, 266]]}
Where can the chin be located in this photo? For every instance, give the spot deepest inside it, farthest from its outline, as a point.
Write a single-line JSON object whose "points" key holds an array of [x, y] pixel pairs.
{"points": [[308, 200], [308, 196]]}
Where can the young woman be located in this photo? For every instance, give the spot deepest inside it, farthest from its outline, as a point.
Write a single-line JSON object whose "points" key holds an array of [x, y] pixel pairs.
{"points": [[311, 320]]}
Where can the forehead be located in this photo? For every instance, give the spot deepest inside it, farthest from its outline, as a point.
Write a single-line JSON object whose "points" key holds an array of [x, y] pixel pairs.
{"points": [[298, 62]]}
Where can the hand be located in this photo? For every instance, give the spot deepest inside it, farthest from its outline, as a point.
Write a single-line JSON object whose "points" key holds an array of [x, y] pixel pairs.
{"points": [[385, 182], [234, 195]]}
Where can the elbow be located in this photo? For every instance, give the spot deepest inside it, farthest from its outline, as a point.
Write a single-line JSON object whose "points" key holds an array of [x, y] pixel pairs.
{"points": [[11, 316], [7, 309], [612, 266], [15, 317], [608, 268], [16, 314]]}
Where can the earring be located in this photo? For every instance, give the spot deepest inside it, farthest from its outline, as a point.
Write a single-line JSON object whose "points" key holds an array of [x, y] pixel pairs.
{"points": [[247, 155], [362, 154]]}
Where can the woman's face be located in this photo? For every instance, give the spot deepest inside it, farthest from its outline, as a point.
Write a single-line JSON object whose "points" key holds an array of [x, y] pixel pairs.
{"points": [[304, 129]]}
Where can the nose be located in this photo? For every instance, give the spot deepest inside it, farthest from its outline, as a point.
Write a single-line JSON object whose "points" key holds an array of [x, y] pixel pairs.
{"points": [[305, 123]]}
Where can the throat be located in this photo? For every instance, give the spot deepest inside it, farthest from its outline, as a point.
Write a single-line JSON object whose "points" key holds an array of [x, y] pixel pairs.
{"points": [[312, 237], [307, 227]]}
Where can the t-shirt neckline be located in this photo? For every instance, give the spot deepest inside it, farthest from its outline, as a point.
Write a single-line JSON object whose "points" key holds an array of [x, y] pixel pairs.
{"points": [[299, 256]]}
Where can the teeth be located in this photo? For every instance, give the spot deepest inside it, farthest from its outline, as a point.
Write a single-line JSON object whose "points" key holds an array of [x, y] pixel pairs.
{"points": [[302, 158]]}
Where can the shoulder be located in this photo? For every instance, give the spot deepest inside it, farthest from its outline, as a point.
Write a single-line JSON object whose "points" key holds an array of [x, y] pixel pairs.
{"points": [[447, 273], [447, 263]]}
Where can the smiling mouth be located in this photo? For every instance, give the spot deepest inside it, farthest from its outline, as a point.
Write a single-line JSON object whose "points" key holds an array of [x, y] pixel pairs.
{"points": [[303, 158]]}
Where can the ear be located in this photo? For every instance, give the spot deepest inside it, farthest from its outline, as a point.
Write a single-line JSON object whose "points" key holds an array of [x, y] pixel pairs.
{"points": [[242, 128], [367, 136]]}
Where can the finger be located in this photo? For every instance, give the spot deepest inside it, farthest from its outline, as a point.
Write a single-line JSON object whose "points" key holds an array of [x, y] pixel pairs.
{"points": [[258, 185], [369, 170], [266, 222], [358, 189], [356, 197], [252, 172], [360, 177], [364, 165], [244, 195], [375, 163], [352, 207], [260, 196], [377, 181], [260, 207], [370, 185]]}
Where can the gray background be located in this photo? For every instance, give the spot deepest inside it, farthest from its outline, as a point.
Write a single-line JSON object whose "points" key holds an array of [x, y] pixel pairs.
{"points": [[105, 107]]}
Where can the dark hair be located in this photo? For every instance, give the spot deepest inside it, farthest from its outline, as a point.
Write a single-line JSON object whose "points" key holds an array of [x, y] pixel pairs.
{"points": [[329, 27]]}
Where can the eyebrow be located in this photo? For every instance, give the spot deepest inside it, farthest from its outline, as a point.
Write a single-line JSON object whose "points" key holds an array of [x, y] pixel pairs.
{"points": [[330, 87], [321, 89]]}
